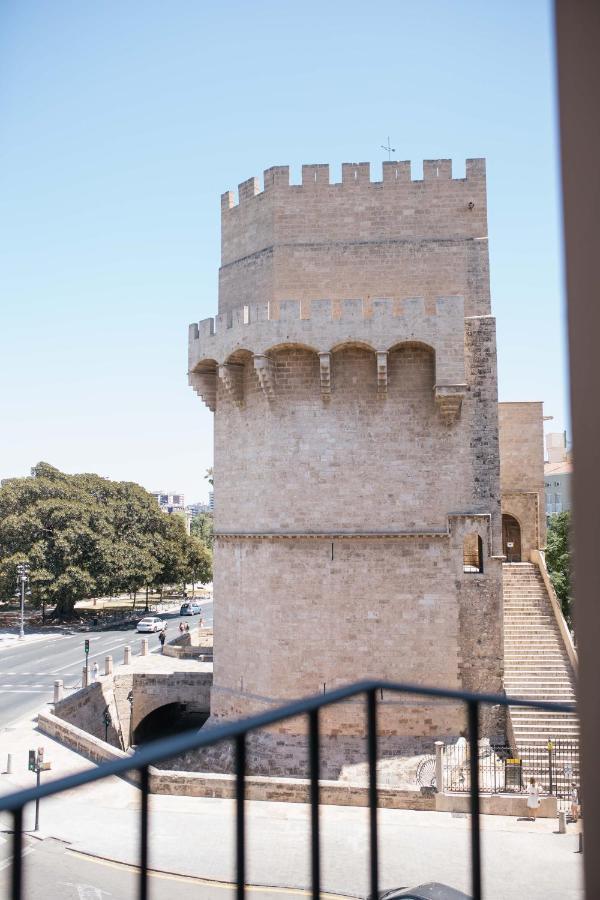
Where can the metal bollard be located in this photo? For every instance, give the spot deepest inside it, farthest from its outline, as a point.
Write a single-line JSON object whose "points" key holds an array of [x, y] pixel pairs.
{"points": [[439, 766], [86, 676], [562, 822], [144, 646], [58, 690], [9, 763], [127, 655], [108, 665]]}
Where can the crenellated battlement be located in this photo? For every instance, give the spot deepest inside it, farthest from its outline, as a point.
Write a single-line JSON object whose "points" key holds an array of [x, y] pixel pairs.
{"points": [[357, 237], [395, 174]]}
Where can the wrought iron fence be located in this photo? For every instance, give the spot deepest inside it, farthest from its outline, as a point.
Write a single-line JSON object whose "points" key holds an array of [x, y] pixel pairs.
{"points": [[160, 750], [506, 769]]}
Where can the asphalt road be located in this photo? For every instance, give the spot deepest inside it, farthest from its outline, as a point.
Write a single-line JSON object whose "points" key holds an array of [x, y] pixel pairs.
{"points": [[28, 670], [53, 871]]}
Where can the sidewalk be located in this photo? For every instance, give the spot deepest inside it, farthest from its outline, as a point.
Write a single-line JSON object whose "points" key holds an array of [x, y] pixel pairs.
{"points": [[195, 836], [10, 637]]}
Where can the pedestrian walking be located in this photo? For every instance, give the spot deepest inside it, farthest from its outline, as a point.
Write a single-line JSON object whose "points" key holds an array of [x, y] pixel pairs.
{"points": [[187, 627], [574, 802], [95, 672], [162, 637], [533, 798], [181, 627]]}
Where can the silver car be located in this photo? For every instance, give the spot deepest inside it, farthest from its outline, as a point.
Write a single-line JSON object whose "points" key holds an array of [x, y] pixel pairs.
{"points": [[150, 623]]}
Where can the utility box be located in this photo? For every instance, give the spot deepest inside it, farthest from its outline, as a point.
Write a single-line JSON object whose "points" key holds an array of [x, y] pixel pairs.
{"points": [[513, 774]]}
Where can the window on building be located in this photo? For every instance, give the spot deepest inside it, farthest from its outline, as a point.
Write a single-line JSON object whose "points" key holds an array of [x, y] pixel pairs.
{"points": [[473, 554]]}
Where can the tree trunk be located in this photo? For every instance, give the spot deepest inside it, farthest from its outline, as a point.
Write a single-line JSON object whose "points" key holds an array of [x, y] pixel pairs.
{"points": [[65, 608]]}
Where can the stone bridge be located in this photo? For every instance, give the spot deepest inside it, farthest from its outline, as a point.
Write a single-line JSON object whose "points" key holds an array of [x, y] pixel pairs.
{"points": [[153, 683]]}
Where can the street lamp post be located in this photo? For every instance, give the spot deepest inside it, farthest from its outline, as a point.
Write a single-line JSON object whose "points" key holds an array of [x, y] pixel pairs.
{"points": [[107, 723], [130, 698], [22, 579]]}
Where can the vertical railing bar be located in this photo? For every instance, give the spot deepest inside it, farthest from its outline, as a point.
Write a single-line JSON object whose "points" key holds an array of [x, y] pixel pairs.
{"points": [[373, 800], [313, 759], [145, 789], [17, 849], [473, 716], [240, 813]]}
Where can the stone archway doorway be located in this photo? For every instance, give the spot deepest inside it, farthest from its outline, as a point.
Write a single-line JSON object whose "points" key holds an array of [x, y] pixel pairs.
{"points": [[511, 538]]}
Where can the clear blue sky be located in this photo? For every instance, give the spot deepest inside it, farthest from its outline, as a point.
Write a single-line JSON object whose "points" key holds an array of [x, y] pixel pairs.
{"points": [[122, 123]]}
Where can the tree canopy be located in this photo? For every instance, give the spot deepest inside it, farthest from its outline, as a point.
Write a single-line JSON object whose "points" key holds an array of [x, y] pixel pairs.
{"points": [[558, 561], [202, 528], [86, 536]]}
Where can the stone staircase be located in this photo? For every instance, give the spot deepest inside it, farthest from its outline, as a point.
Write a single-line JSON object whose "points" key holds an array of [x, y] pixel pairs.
{"points": [[536, 663]]}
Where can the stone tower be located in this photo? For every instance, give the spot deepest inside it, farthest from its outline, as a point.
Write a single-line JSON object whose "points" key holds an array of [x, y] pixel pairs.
{"points": [[352, 372]]}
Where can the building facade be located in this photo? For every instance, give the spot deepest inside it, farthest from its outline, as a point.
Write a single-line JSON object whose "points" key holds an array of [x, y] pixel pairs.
{"points": [[169, 501], [352, 372], [558, 471]]}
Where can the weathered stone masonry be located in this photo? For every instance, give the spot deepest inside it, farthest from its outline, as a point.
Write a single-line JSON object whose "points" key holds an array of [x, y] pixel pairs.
{"points": [[352, 372]]}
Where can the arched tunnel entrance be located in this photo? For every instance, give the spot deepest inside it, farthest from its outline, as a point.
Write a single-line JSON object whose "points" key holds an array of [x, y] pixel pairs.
{"points": [[167, 720]]}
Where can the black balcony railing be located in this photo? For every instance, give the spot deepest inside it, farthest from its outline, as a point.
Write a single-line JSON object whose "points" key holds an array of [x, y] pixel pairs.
{"points": [[161, 750]]}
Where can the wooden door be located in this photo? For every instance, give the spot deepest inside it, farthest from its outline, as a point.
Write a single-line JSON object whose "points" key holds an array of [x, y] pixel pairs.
{"points": [[511, 539]]}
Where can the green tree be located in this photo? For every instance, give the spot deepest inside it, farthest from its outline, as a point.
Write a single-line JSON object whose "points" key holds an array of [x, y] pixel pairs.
{"points": [[558, 560], [86, 536], [202, 527], [198, 563]]}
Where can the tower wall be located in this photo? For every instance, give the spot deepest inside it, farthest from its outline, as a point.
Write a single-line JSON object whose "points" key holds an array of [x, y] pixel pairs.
{"points": [[356, 446], [521, 433], [394, 238]]}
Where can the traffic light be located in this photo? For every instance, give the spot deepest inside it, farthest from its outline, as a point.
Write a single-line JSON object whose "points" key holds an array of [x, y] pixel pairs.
{"points": [[31, 765], [40, 755], [87, 646]]}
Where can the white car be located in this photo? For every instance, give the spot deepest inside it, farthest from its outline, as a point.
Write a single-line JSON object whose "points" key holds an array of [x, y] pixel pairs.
{"points": [[150, 623]]}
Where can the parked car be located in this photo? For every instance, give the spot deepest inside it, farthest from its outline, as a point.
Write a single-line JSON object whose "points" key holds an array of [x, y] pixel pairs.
{"points": [[433, 890], [150, 623], [190, 609]]}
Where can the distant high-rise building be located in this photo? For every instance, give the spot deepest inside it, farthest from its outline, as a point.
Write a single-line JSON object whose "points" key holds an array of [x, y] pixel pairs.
{"points": [[196, 509], [169, 501]]}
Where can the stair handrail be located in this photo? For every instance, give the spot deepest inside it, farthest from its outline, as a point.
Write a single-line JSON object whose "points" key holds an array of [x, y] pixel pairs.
{"points": [[539, 558]]}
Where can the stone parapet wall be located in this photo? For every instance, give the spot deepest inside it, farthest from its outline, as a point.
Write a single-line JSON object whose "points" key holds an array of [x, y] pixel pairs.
{"points": [[324, 326], [78, 739], [208, 784], [151, 689], [197, 643], [85, 708], [284, 790]]}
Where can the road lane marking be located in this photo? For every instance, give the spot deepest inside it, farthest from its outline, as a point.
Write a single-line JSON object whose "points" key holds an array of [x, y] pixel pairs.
{"points": [[8, 862], [87, 891], [209, 882], [47, 691], [93, 656]]}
